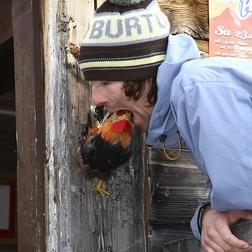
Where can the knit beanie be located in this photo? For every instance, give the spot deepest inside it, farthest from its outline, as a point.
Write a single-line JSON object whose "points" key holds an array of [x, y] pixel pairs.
{"points": [[126, 40]]}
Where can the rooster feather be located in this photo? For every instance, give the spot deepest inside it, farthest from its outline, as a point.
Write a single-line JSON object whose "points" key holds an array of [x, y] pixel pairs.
{"points": [[106, 147]]}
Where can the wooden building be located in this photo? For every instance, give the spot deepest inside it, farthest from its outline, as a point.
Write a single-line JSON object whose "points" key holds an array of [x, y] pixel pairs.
{"points": [[43, 109]]}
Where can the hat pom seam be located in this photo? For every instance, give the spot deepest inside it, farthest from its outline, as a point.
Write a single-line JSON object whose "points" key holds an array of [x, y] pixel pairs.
{"points": [[125, 2]]}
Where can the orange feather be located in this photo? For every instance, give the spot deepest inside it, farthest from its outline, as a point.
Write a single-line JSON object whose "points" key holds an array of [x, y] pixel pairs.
{"points": [[117, 129]]}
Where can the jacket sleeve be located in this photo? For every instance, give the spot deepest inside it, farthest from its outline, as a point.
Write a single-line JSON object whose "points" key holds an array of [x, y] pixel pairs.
{"points": [[197, 217], [196, 220]]}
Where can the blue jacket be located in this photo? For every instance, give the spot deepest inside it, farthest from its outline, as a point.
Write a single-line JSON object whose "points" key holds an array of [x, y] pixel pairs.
{"points": [[210, 102]]}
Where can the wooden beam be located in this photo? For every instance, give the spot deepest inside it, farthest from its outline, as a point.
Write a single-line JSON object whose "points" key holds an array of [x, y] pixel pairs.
{"points": [[5, 20], [29, 85]]}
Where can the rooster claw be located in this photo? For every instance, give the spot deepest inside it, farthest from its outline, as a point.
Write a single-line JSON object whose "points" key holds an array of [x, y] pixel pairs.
{"points": [[98, 188]]}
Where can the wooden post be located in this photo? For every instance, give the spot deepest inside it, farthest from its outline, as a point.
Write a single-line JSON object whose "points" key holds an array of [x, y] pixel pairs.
{"points": [[78, 219], [29, 87]]}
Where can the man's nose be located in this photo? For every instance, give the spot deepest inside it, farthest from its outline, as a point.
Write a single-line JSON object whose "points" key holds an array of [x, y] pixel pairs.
{"points": [[97, 98]]}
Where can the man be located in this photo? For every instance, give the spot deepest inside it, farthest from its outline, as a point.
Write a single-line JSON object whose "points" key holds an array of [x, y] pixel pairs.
{"points": [[134, 64]]}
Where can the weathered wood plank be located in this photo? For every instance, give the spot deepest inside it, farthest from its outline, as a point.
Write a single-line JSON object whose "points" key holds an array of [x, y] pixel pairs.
{"points": [[79, 219], [161, 234], [241, 230], [99, 2], [116, 223], [187, 16], [176, 187], [66, 106], [29, 87], [203, 46]]}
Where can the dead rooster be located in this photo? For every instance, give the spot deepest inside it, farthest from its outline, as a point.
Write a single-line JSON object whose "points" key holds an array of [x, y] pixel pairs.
{"points": [[106, 146]]}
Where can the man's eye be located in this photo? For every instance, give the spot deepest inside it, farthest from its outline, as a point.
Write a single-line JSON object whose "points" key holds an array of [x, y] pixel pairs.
{"points": [[105, 83]]}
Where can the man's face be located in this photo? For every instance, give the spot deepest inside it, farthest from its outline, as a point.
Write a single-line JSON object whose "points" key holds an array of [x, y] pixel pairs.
{"points": [[111, 95]]}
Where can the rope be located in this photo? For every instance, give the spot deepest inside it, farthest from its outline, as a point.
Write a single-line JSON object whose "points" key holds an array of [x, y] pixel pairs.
{"points": [[168, 156]]}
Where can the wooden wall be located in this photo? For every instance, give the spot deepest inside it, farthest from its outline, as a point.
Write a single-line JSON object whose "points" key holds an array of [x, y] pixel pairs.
{"points": [[52, 111], [58, 204], [78, 219], [188, 16], [176, 188]]}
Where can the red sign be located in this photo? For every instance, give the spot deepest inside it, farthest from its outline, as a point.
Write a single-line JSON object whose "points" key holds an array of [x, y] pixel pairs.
{"points": [[230, 30]]}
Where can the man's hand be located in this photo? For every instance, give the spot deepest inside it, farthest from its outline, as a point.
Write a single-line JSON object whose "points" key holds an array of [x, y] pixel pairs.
{"points": [[216, 235]]}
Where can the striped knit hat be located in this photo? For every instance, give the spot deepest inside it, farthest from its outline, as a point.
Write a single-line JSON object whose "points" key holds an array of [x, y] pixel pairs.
{"points": [[126, 40]]}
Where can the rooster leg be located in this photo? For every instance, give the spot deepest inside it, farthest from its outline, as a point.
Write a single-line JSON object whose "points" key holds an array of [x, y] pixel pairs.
{"points": [[98, 188]]}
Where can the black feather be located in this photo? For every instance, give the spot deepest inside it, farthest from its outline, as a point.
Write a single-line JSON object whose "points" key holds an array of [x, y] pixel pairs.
{"points": [[101, 156]]}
